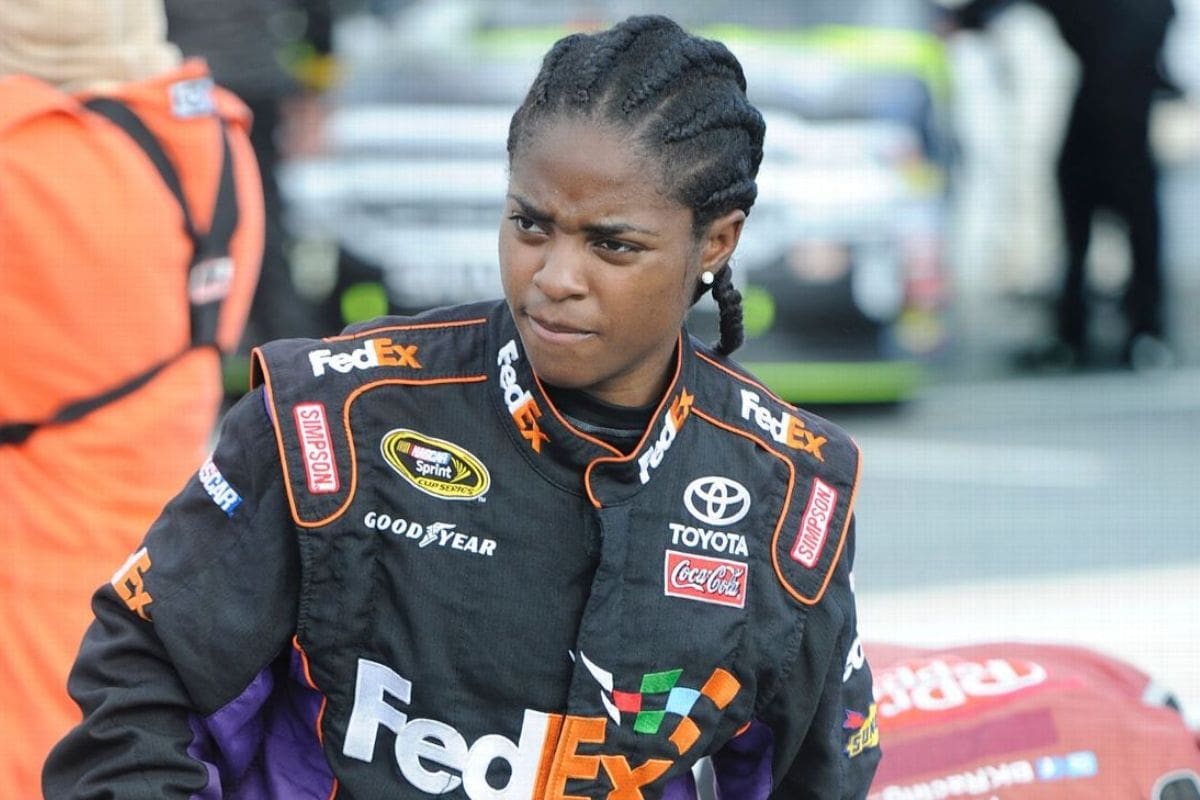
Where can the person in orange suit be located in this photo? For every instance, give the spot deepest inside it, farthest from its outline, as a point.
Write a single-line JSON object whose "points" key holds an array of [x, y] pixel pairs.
{"points": [[94, 272]]}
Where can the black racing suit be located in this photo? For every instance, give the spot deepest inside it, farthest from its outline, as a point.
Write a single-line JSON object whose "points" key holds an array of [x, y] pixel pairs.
{"points": [[450, 589]]}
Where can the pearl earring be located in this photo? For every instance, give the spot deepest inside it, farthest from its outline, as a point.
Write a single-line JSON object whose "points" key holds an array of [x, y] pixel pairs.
{"points": [[707, 277]]}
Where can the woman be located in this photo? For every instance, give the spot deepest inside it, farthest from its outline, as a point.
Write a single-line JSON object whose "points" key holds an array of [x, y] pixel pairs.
{"points": [[544, 548]]}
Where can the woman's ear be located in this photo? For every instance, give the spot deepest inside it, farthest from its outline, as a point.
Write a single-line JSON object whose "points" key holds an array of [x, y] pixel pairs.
{"points": [[721, 239]]}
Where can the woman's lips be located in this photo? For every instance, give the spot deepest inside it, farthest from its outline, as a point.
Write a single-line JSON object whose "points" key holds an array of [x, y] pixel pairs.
{"points": [[556, 331]]}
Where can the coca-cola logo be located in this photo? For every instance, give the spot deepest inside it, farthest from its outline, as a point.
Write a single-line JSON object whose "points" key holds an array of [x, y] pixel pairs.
{"points": [[709, 580]]}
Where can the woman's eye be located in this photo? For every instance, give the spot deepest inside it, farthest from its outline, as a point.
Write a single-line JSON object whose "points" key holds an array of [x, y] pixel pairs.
{"points": [[615, 246], [525, 224]]}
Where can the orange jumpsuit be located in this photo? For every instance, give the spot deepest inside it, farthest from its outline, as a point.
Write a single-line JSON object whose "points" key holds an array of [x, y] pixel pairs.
{"points": [[93, 268]]}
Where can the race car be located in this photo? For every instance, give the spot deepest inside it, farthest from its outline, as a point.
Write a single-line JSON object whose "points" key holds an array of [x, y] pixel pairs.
{"points": [[1024, 721], [842, 268]]}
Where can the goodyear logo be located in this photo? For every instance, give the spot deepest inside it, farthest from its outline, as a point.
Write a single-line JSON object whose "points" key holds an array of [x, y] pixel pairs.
{"points": [[435, 466]]}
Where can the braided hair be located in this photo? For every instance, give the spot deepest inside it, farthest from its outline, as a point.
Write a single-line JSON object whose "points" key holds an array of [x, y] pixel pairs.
{"points": [[683, 98]]}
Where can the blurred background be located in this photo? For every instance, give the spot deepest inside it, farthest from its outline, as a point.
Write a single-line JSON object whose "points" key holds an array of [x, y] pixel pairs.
{"points": [[906, 244]]}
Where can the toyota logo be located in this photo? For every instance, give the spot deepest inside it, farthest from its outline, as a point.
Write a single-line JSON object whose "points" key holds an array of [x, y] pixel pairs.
{"points": [[717, 501]]}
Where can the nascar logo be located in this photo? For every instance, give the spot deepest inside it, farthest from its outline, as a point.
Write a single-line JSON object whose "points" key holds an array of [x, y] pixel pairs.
{"points": [[214, 483], [435, 466]]}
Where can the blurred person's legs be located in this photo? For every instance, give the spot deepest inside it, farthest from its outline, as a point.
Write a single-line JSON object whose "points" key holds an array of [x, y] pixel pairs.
{"points": [[1130, 188], [279, 311], [1078, 194], [1134, 196], [1106, 162]]}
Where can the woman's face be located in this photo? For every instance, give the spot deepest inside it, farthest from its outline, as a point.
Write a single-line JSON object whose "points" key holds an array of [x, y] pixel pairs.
{"points": [[598, 267]]}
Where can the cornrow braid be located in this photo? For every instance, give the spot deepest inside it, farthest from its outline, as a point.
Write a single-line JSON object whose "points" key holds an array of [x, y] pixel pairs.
{"points": [[682, 99], [539, 91], [729, 195], [601, 59], [729, 306], [709, 118], [550, 64], [701, 55], [729, 310]]}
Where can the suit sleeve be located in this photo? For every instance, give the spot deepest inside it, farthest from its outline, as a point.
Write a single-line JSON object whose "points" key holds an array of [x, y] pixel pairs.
{"points": [[186, 625], [838, 752]]}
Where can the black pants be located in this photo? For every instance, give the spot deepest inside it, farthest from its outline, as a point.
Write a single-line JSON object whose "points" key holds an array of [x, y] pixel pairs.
{"points": [[1106, 163], [277, 311]]}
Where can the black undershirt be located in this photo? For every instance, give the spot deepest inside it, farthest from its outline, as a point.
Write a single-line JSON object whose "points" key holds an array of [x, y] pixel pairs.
{"points": [[620, 426]]}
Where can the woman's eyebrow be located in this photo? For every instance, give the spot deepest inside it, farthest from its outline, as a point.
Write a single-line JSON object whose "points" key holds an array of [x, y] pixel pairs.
{"points": [[599, 229], [616, 229], [530, 210]]}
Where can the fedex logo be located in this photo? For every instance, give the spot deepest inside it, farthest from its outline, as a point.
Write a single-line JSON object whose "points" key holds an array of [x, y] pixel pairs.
{"points": [[787, 429], [518, 400], [435, 758], [373, 353], [129, 583], [673, 419]]}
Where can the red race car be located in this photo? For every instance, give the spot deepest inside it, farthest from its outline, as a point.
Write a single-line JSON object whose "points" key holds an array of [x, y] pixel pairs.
{"points": [[1020, 721]]}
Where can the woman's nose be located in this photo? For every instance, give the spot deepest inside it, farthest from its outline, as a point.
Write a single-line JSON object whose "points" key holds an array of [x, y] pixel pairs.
{"points": [[561, 275]]}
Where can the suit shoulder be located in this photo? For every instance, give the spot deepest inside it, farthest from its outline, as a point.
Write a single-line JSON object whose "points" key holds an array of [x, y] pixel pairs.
{"points": [[444, 318], [310, 385], [811, 539], [742, 400], [439, 344]]}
